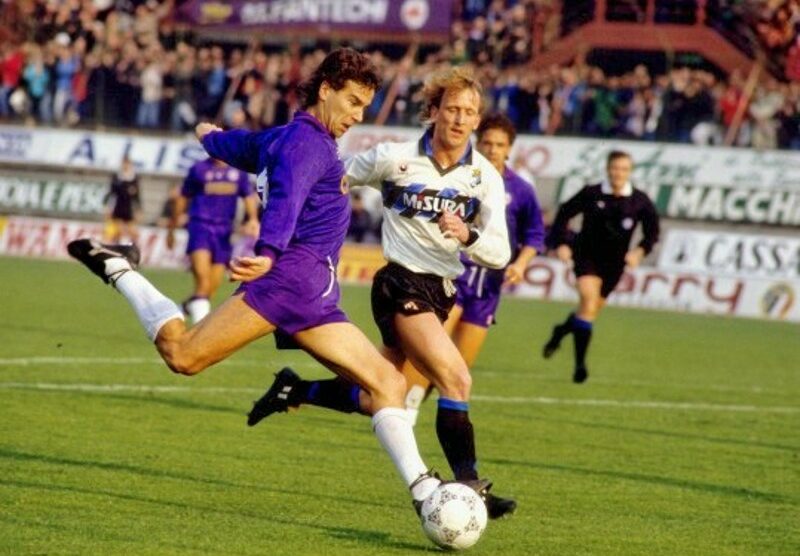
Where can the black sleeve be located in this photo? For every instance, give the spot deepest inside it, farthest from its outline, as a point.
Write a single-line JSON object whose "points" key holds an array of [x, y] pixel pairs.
{"points": [[566, 212], [112, 190], [136, 199], [650, 225]]}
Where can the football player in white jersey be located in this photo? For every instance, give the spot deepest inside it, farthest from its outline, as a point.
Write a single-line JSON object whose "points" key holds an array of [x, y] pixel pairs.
{"points": [[440, 198]]}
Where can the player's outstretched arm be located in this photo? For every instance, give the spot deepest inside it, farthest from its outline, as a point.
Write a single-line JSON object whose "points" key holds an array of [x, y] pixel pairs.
{"points": [[369, 167], [236, 147]]}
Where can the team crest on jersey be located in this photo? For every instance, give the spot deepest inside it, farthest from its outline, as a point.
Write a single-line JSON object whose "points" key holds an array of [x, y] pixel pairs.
{"points": [[627, 223], [475, 181], [403, 167], [601, 204], [344, 185], [417, 201], [233, 175]]}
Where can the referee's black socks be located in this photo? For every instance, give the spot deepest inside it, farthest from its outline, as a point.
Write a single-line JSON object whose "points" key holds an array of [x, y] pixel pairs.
{"points": [[566, 327], [457, 438], [582, 334]]}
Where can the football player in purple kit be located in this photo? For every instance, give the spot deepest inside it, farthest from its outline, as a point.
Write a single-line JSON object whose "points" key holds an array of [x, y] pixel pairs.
{"points": [[290, 285], [611, 211], [440, 199], [210, 192], [479, 287]]}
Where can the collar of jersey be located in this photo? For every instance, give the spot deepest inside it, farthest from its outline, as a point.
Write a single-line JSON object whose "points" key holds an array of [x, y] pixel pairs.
{"points": [[426, 149], [311, 120], [606, 189]]}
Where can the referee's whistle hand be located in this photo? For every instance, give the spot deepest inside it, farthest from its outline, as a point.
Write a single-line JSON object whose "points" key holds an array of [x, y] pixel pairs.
{"points": [[204, 128], [633, 258]]}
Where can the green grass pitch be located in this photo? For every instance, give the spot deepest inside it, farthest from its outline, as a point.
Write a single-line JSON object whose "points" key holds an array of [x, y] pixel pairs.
{"points": [[685, 439]]}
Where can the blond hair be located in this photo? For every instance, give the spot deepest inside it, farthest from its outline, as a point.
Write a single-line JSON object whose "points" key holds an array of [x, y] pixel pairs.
{"points": [[456, 79]]}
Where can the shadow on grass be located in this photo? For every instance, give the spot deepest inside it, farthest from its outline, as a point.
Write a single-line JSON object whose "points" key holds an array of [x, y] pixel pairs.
{"points": [[709, 488], [68, 330], [669, 434], [173, 475], [72, 533], [308, 415], [365, 536]]}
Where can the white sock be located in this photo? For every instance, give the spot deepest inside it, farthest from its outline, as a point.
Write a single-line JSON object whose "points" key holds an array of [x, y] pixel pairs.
{"points": [[151, 306], [396, 435], [198, 308], [413, 401]]}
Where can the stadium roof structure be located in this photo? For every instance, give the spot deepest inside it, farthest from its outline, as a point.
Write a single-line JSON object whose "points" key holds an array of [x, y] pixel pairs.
{"points": [[652, 25]]}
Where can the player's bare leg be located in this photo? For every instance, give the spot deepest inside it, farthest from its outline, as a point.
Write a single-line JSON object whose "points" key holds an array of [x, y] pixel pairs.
{"points": [[199, 304], [376, 388], [224, 331], [428, 347], [469, 339], [113, 230], [186, 351]]}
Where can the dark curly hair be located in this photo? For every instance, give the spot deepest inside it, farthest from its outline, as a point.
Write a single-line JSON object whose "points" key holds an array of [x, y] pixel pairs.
{"points": [[496, 120], [338, 67]]}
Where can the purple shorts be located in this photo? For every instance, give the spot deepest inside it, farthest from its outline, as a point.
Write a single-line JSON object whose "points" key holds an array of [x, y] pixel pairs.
{"points": [[300, 292], [214, 238], [478, 294]]}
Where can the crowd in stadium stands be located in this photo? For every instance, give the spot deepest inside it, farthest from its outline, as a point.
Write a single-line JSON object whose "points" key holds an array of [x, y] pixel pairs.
{"points": [[122, 63], [778, 28]]}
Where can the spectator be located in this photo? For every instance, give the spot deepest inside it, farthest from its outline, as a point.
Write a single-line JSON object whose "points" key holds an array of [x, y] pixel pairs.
{"points": [[152, 93], [11, 64], [37, 82], [66, 67]]}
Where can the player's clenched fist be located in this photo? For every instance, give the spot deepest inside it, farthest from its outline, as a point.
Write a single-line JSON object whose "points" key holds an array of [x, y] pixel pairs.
{"points": [[564, 253], [247, 269], [451, 225], [204, 129]]}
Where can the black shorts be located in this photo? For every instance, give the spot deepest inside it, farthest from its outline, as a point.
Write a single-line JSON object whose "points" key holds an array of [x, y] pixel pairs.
{"points": [[395, 289], [122, 212], [609, 273]]}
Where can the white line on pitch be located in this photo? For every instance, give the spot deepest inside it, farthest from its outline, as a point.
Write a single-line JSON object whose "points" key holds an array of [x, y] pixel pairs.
{"points": [[689, 406], [25, 361], [71, 361], [696, 406]]}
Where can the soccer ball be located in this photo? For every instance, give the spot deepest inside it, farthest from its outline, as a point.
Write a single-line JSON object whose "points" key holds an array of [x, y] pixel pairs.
{"points": [[454, 516]]}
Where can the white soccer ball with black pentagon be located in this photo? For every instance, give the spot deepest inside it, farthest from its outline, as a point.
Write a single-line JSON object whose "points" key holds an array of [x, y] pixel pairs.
{"points": [[454, 516]]}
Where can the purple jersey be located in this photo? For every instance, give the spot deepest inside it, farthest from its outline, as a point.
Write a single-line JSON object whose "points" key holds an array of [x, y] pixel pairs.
{"points": [[213, 191], [523, 218], [479, 287], [300, 181]]}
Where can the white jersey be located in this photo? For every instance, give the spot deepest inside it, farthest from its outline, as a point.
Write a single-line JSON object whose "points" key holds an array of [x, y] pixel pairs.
{"points": [[416, 191]]}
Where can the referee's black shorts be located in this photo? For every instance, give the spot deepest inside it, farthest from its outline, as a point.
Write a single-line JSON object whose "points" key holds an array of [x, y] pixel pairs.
{"points": [[395, 289], [609, 272], [122, 212]]}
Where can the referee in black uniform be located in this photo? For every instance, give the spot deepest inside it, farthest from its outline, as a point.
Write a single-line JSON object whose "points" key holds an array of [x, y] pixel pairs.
{"points": [[124, 202], [601, 250]]}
